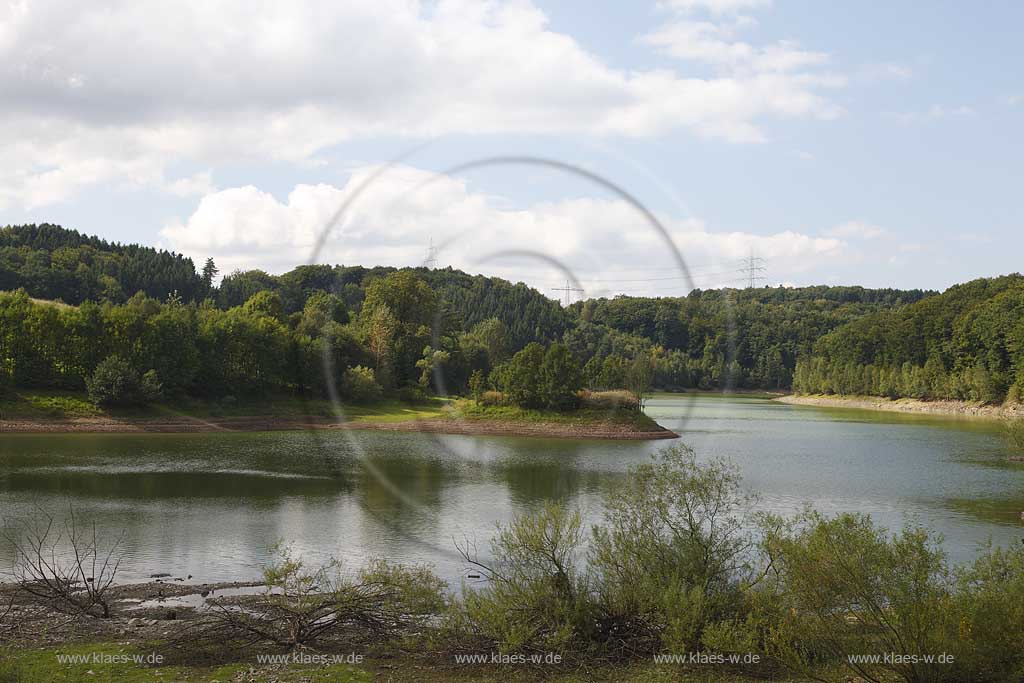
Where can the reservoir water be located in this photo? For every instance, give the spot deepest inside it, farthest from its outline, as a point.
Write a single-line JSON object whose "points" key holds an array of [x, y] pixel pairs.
{"points": [[211, 505]]}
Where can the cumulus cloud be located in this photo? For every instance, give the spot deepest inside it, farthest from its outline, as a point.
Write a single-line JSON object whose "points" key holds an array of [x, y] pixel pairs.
{"points": [[198, 184], [856, 230], [715, 6], [886, 71], [605, 243], [934, 112], [715, 43], [114, 92]]}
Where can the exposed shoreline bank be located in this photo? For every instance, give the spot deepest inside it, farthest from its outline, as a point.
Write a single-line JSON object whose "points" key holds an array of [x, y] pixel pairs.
{"points": [[906, 405], [584, 429]]}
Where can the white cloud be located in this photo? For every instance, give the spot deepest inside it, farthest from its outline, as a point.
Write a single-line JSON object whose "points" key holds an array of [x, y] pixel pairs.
{"points": [[714, 43], [935, 112], [856, 230], [715, 6], [198, 184], [1014, 100], [113, 92], [886, 71], [405, 207]]}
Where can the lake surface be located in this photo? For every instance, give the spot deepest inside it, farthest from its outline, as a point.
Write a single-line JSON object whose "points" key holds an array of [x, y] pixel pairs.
{"points": [[211, 505]]}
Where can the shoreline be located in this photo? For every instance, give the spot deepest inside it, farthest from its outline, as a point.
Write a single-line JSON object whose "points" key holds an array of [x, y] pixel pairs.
{"points": [[602, 430], [906, 405]]}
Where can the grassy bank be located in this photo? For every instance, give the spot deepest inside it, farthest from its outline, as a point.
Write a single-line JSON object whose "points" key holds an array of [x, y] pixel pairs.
{"points": [[42, 412], [43, 665], [468, 409], [65, 405]]}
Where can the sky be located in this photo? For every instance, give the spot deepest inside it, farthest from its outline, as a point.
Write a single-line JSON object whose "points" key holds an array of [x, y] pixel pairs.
{"points": [[854, 143]]}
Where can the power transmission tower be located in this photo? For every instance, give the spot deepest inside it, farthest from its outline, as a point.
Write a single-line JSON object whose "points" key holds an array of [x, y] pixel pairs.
{"points": [[567, 290], [431, 261], [752, 268]]}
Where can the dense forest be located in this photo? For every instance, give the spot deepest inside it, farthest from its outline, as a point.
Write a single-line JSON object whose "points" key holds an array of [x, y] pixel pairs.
{"points": [[967, 344], [80, 312], [50, 262]]}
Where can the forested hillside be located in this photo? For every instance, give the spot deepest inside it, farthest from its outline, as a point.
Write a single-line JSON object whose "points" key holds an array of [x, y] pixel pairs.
{"points": [[50, 262], [967, 343], [386, 330], [746, 337]]}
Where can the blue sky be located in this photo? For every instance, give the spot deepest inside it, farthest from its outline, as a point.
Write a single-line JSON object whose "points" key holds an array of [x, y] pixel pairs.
{"points": [[845, 143]]}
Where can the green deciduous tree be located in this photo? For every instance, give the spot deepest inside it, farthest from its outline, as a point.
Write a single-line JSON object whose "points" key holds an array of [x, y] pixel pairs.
{"points": [[559, 378]]}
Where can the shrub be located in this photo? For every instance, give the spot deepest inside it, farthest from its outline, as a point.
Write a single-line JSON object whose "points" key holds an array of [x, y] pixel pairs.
{"points": [[493, 398], [1013, 429], [151, 388], [846, 587], [63, 567], [672, 554], [114, 383], [476, 385], [411, 394], [608, 400], [359, 384], [536, 599], [990, 607], [301, 605]]}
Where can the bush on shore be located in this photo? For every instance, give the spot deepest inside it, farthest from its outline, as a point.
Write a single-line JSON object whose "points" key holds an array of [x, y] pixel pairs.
{"points": [[537, 596], [115, 383], [675, 567], [672, 554], [608, 400], [360, 385]]}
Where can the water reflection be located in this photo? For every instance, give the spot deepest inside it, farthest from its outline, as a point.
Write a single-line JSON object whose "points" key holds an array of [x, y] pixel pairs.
{"points": [[211, 505]]}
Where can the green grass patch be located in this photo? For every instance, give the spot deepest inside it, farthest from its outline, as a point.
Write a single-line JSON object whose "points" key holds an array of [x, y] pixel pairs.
{"points": [[394, 411], [61, 405], [467, 408], [56, 405], [106, 663], [42, 665], [46, 405]]}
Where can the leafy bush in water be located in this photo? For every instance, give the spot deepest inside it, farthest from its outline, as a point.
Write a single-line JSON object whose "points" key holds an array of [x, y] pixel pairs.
{"points": [[360, 385], [672, 555], [1013, 428], [536, 599]]}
